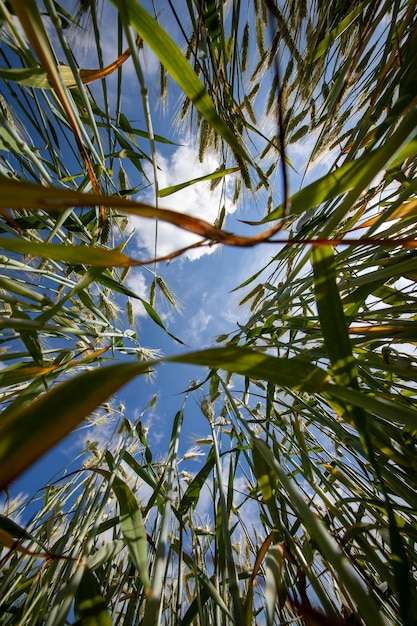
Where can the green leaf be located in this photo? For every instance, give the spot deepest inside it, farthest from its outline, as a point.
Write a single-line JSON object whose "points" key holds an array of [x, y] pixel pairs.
{"points": [[266, 481], [131, 525], [125, 125], [90, 605], [104, 554], [325, 541], [87, 255], [155, 317], [17, 532], [35, 77], [385, 407], [22, 289], [264, 475], [139, 470], [53, 415], [327, 42], [29, 337], [304, 455], [207, 589], [181, 71], [353, 175], [326, 188], [273, 580], [332, 318], [162, 193], [294, 373], [190, 498]]}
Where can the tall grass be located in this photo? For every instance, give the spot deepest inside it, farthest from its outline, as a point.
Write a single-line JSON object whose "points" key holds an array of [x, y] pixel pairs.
{"points": [[310, 467]]}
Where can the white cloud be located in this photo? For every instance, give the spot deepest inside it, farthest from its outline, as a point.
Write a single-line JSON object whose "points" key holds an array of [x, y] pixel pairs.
{"points": [[137, 283], [197, 326], [196, 200]]}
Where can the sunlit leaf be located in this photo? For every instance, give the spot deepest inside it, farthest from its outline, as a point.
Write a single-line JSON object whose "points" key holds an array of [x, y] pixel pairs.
{"points": [[179, 68], [192, 493], [131, 524], [53, 415], [162, 193], [86, 255], [325, 541]]}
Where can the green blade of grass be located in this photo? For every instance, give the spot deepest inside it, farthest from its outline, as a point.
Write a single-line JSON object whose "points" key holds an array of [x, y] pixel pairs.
{"points": [[86, 255], [223, 521], [327, 42], [332, 318], [105, 554], [207, 590], [293, 373], [325, 542], [192, 493], [273, 580], [171, 57], [266, 482], [32, 77], [156, 318], [51, 417], [17, 532], [131, 525], [353, 175], [139, 470], [78, 397], [90, 605], [154, 604], [162, 193]]}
